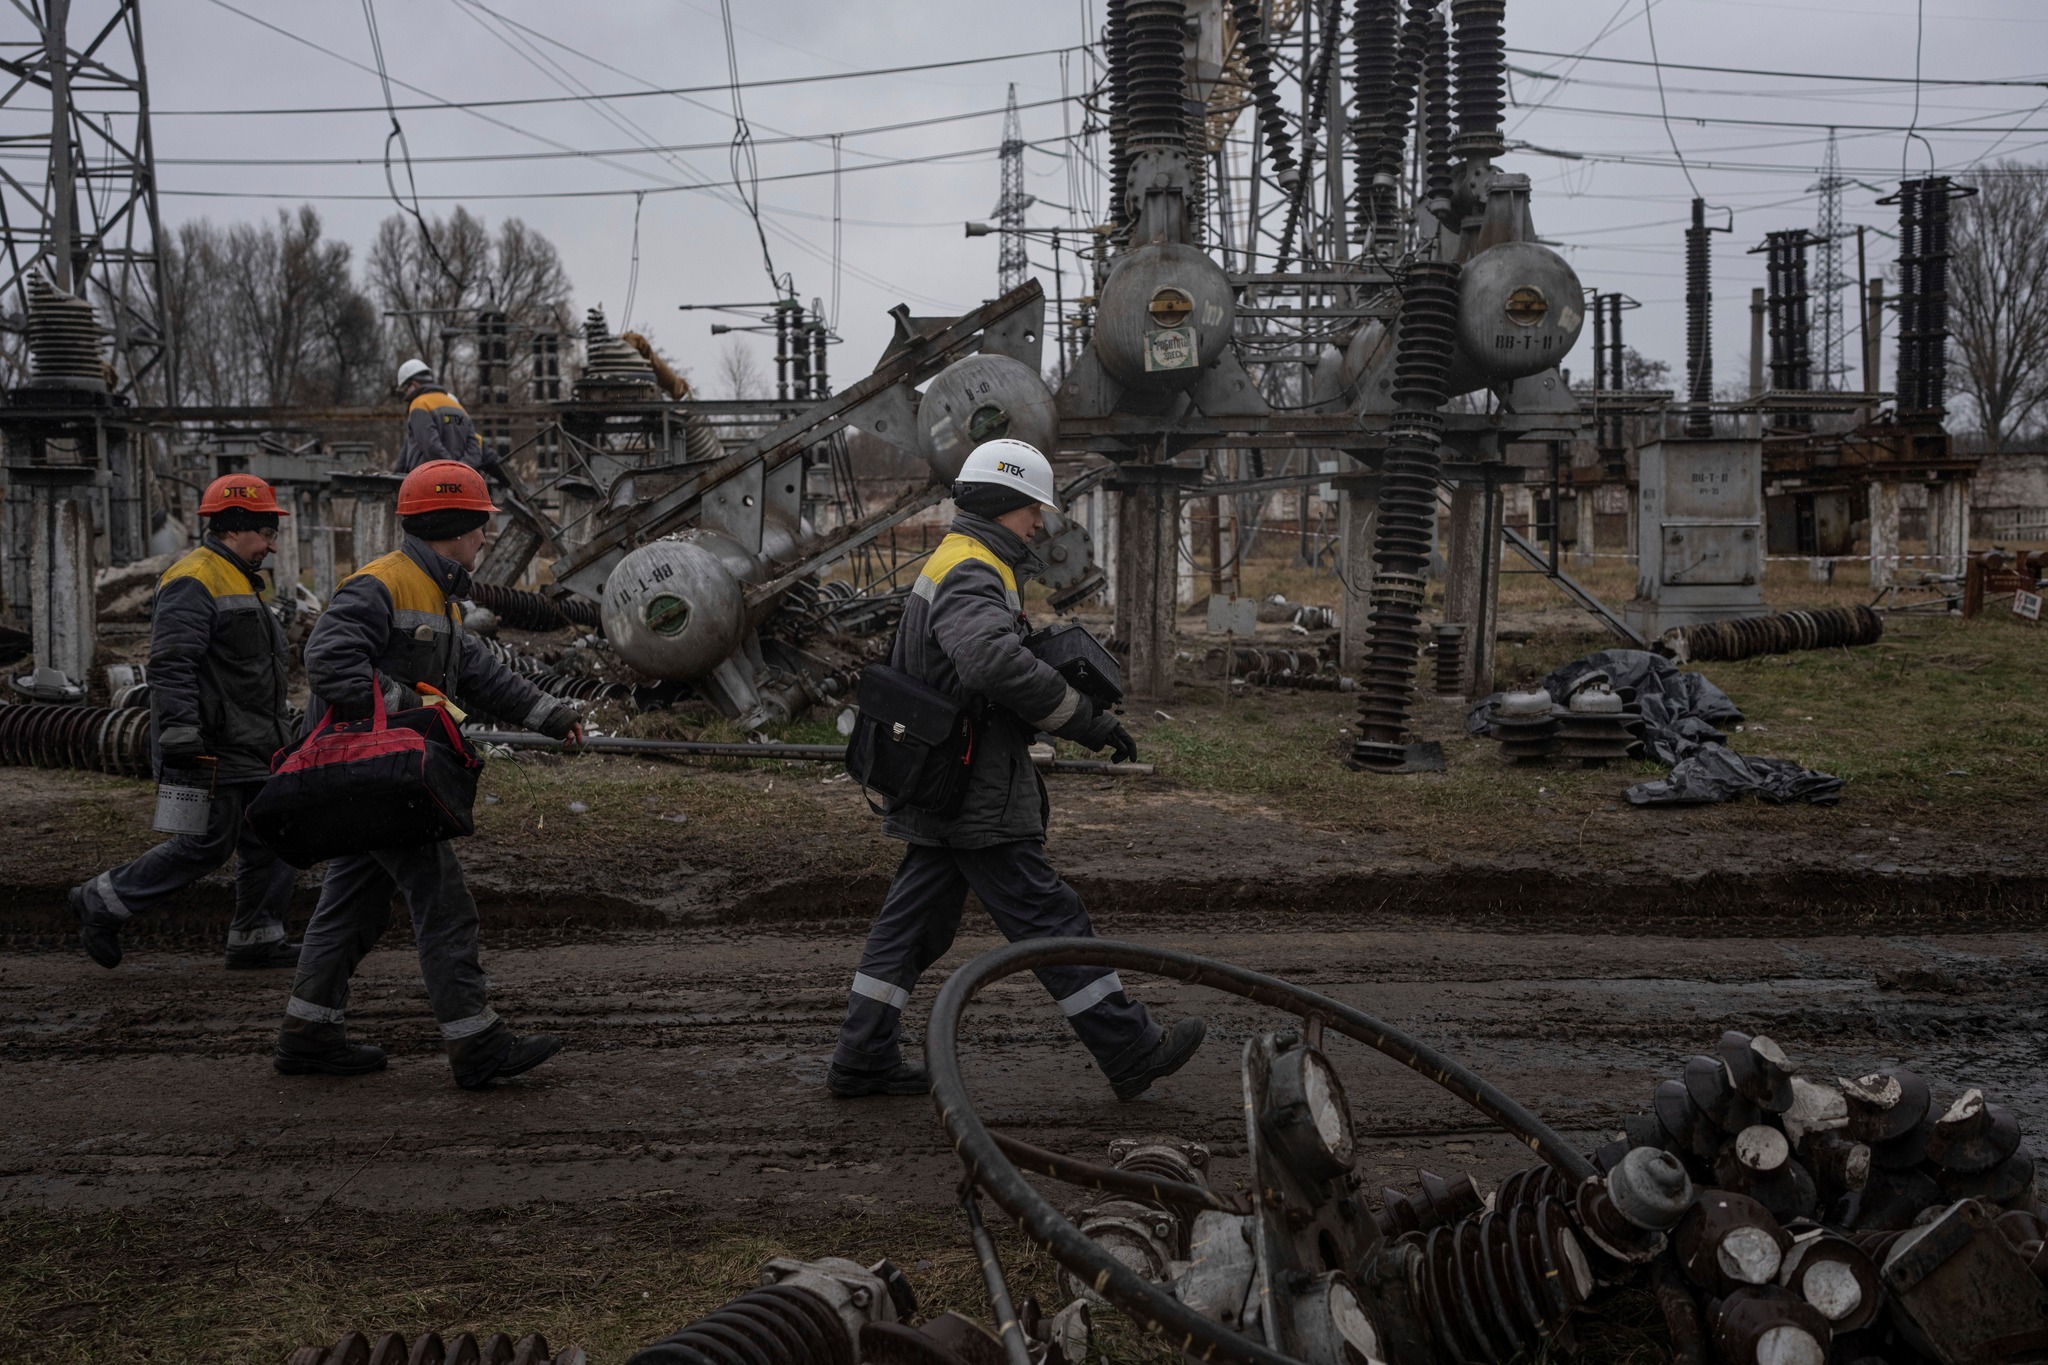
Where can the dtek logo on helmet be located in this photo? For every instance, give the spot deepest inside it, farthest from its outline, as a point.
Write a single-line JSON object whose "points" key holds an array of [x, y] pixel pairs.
{"points": [[1005, 467], [239, 490], [447, 488]]}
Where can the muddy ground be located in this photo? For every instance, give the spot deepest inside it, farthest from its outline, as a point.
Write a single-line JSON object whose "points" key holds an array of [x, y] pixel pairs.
{"points": [[691, 932]]}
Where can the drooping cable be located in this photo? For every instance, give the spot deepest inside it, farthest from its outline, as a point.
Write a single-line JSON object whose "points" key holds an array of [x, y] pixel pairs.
{"points": [[1664, 109], [633, 275], [746, 169]]}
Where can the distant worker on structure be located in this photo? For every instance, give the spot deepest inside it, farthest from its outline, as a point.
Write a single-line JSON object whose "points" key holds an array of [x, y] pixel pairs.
{"points": [[438, 427], [962, 634], [394, 624], [217, 705]]}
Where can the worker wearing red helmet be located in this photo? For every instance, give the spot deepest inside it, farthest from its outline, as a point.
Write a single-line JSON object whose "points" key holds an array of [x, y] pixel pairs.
{"points": [[394, 624], [217, 706]]}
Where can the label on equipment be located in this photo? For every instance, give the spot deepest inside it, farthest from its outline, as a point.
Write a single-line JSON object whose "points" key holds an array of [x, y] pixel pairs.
{"points": [[182, 810], [2027, 604], [1170, 348]]}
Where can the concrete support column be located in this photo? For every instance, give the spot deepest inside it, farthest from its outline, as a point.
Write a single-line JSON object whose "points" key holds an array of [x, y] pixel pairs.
{"points": [[1582, 552], [127, 497], [63, 622], [320, 545], [1884, 532], [1148, 573], [17, 536], [284, 568], [1948, 525], [375, 525], [1358, 513], [1472, 584]]}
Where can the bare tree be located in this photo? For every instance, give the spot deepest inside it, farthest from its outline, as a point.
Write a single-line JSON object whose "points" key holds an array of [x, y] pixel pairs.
{"points": [[268, 313], [1998, 299], [436, 290], [739, 372]]}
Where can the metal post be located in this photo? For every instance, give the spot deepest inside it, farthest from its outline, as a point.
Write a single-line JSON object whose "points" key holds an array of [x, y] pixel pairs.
{"points": [[1753, 424]]}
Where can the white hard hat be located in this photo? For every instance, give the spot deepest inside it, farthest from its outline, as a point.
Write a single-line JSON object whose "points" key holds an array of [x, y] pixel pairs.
{"points": [[1013, 464], [414, 369]]}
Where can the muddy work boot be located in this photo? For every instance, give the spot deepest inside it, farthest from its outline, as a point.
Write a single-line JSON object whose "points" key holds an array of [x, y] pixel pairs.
{"points": [[262, 956], [1168, 1055], [98, 934], [308, 1049], [900, 1079], [498, 1054]]}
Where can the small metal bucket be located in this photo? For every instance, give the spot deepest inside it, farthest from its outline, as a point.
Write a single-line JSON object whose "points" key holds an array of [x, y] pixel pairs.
{"points": [[184, 799]]}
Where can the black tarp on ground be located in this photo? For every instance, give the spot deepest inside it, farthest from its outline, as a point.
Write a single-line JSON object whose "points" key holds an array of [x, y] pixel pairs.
{"points": [[1681, 713]]}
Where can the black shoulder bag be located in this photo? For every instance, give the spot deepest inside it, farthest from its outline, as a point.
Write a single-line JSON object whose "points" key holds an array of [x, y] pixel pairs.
{"points": [[912, 745]]}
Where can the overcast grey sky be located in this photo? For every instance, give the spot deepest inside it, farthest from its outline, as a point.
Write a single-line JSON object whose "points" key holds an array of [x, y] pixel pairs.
{"points": [[1621, 215]]}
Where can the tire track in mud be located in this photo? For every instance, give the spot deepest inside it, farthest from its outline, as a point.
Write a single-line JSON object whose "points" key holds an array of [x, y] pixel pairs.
{"points": [[697, 1057]]}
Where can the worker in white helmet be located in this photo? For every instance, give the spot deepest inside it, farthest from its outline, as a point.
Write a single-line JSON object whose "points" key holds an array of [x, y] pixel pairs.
{"points": [[962, 634], [437, 427]]}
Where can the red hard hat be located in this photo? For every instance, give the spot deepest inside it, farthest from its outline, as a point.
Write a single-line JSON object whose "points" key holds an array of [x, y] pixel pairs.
{"points": [[439, 485], [244, 491]]}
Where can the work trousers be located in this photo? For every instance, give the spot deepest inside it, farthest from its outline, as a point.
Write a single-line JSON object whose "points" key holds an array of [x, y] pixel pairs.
{"points": [[263, 884], [1026, 899], [354, 910]]}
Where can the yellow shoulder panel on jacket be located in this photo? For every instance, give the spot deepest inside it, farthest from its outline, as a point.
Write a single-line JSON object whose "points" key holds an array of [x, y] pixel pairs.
{"points": [[955, 550], [410, 586], [433, 401], [216, 575]]}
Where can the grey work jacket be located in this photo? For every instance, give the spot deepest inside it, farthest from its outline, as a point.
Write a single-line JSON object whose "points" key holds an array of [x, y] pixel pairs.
{"points": [[217, 663], [396, 616], [962, 633]]}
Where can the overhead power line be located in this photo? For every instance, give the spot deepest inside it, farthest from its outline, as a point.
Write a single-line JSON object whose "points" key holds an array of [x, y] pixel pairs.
{"points": [[2036, 82], [600, 96]]}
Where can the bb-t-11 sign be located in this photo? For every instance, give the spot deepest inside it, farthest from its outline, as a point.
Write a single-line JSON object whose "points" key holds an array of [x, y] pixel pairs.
{"points": [[2027, 604]]}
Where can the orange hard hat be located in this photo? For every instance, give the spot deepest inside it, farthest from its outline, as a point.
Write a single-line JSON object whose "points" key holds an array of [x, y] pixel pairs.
{"points": [[441, 485], [245, 492]]}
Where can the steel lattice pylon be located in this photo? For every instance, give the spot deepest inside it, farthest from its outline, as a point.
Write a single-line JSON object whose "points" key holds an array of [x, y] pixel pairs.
{"points": [[1012, 264], [92, 224], [1829, 369]]}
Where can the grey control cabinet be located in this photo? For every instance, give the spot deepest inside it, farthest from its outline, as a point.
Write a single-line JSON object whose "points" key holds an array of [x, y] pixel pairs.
{"points": [[1699, 534]]}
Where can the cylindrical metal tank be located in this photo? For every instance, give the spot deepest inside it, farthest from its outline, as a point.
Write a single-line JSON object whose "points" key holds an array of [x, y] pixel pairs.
{"points": [[1520, 309], [1164, 316], [982, 398], [673, 608]]}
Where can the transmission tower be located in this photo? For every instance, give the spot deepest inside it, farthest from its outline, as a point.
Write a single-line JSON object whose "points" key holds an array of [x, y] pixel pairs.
{"points": [[92, 222], [1012, 265], [1828, 366]]}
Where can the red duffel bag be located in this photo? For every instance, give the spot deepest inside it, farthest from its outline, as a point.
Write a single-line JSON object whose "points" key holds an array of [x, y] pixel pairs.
{"points": [[386, 782]]}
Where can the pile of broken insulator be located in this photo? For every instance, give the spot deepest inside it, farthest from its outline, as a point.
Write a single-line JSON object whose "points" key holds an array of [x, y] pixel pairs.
{"points": [[390, 1348], [1862, 1221]]}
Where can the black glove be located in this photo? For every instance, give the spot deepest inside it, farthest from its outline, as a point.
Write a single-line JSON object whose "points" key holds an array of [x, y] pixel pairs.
{"points": [[1122, 748], [180, 746], [560, 721]]}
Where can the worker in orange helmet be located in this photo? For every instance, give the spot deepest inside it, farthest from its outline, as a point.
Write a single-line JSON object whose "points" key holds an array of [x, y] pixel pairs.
{"points": [[394, 624], [217, 707]]}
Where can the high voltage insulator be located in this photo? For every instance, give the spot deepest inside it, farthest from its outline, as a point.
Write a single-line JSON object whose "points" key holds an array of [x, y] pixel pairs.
{"points": [[1258, 65], [1375, 38], [89, 737], [1399, 102], [1923, 296], [524, 610], [1699, 324], [1482, 77], [64, 337], [1425, 337], [1117, 51], [1790, 326], [776, 1322], [1318, 103], [1157, 75], [1436, 113], [1825, 628]]}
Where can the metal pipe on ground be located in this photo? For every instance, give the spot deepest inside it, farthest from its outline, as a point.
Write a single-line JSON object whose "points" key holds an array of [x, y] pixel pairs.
{"points": [[798, 753]]}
